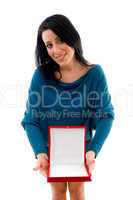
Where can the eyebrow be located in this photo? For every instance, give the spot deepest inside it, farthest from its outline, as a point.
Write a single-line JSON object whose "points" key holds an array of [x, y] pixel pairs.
{"points": [[56, 38]]}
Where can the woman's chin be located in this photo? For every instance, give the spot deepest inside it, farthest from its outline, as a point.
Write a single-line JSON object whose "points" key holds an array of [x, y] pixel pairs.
{"points": [[63, 64]]}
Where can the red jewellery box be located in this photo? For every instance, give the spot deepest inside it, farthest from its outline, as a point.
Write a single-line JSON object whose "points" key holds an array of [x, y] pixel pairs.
{"points": [[67, 160]]}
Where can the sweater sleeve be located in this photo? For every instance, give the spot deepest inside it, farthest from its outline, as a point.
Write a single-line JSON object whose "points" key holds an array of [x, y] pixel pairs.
{"points": [[102, 113], [31, 119]]}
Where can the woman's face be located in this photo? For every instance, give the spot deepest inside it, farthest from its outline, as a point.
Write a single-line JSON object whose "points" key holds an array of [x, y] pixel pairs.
{"points": [[58, 50]]}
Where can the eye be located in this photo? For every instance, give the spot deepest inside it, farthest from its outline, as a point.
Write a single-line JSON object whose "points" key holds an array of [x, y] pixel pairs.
{"points": [[49, 46]]}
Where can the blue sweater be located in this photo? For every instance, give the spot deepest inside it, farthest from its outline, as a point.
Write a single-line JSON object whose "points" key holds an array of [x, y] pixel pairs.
{"points": [[86, 101]]}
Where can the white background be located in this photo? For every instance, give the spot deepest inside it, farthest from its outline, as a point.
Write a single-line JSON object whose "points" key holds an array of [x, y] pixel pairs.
{"points": [[106, 31]]}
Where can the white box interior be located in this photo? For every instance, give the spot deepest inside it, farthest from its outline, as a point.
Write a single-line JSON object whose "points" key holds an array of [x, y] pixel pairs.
{"points": [[67, 152]]}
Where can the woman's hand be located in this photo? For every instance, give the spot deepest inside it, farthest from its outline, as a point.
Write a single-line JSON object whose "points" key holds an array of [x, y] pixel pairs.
{"points": [[90, 159], [42, 164]]}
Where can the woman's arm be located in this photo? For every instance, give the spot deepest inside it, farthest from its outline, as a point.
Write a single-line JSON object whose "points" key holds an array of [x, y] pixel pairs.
{"points": [[31, 119], [103, 128], [102, 111]]}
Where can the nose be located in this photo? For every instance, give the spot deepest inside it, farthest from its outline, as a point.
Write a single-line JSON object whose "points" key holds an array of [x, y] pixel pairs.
{"points": [[56, 50]]}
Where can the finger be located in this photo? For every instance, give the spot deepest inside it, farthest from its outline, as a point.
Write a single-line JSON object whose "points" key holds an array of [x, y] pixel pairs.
{"points": [[44, 162], [91, 167], [38, 167], [44, 172], [46, 157], [91, 162]]}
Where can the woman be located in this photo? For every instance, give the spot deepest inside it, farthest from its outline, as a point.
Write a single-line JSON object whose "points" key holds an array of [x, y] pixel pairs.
{"points": [[61, 67]]}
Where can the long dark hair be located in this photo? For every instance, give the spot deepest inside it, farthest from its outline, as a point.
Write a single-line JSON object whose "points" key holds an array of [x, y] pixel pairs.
{"points": [[65, 30]]}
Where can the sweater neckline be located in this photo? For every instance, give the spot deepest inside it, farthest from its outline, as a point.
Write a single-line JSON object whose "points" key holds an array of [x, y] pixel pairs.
{"points": [[76, 82]]}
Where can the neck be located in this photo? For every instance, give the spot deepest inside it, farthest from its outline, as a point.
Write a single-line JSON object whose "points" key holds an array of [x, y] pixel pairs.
{"points": [[74, 65]]}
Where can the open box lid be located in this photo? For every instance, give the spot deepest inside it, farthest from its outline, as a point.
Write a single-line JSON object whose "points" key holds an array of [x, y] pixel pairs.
{"points": [[67, 153]]}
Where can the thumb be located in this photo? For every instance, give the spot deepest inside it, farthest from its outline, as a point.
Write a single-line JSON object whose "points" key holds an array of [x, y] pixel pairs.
{"points": [[37, 167], [46, 157]]}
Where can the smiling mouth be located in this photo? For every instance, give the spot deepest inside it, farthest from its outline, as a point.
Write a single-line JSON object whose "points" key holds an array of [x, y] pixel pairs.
{"points": [[60, 57]]}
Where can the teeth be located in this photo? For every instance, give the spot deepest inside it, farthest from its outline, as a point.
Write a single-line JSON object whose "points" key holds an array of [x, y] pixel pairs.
{"points": [[59, 57]]}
